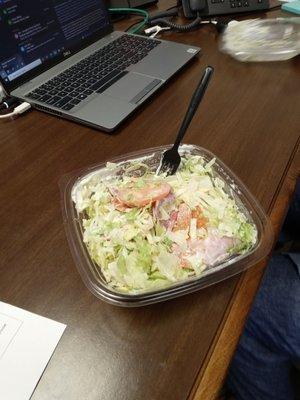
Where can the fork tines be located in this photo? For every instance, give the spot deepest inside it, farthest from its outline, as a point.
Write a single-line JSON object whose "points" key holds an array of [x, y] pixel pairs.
{"points": [[169, 163], [164, 169]]}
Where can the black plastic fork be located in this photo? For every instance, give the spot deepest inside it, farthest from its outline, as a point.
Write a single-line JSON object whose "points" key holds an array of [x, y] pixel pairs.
{"points": [[171, 158]]}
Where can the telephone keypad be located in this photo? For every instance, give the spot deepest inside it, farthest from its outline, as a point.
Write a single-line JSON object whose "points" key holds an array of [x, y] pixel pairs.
{"points": [[235, 5]]}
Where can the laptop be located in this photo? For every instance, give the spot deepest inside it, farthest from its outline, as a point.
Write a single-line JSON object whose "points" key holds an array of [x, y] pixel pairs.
{"points": [[64, 58]]}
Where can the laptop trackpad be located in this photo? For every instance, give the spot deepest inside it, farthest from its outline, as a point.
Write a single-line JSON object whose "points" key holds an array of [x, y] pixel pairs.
{"points": [[132, 87]]}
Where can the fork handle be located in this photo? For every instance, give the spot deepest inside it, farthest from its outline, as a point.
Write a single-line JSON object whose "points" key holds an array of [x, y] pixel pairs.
{"points": [[194, 103]]}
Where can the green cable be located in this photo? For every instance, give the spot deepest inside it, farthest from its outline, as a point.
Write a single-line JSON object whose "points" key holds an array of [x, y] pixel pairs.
{"points": [[132, 11]]}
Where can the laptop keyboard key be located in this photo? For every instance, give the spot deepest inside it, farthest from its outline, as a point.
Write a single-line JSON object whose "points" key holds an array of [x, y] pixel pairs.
{"points": [[76, 92], [53, 100], [40, 91], [75, 101], [82, 96], [68, 90], [85, 85], [45, 98], [63, 101], [67, 106], [104, 80], [33, 96]]}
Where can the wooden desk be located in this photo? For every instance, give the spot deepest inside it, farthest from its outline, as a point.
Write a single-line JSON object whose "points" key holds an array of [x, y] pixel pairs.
{"points": [[175, 350]]}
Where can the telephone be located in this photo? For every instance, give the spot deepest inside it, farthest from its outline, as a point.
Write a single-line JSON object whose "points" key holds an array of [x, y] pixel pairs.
{"points": [[192, 8]]}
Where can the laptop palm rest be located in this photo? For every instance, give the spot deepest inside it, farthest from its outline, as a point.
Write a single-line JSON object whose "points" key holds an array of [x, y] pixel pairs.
{"points": [[132, 87]]}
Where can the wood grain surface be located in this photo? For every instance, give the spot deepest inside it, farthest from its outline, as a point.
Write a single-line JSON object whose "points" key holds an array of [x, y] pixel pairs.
{"points": [[213, 371], [249, 118]]}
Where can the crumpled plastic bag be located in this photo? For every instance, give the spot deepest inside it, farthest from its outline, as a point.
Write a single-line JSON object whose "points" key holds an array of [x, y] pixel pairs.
{"points": [[262, 39]]}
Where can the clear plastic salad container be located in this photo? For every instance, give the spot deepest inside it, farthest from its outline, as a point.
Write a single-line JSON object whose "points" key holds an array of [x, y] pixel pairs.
{"points": [[127, 267], [262, 39]]}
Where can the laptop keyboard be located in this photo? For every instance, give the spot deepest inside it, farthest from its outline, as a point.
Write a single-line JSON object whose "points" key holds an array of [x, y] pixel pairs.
{"points": [[93, 74]]}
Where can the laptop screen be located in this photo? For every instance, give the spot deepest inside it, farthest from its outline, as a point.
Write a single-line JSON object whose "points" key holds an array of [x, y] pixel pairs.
{"points": [[37, 32]]}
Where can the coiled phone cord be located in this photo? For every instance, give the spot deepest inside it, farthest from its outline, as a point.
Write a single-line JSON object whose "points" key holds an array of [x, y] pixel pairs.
{"points": [[182, 28]]}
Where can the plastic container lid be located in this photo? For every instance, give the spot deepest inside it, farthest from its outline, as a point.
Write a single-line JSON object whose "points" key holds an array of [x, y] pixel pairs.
{"points": [[91, 272], [262, 39]]}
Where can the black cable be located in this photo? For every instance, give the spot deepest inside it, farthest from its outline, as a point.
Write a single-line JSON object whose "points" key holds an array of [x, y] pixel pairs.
{"points": [[163, 14], [166, 13], [181, 28], [135, 23], [160, 19], [8, 102]]}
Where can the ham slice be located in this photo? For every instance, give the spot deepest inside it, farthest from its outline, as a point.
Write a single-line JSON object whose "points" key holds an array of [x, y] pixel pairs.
{"points": [[212, 249], [215, 248]]}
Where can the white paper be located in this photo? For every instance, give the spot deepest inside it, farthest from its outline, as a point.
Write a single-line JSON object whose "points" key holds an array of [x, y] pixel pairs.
{"points": [[27, 342]]}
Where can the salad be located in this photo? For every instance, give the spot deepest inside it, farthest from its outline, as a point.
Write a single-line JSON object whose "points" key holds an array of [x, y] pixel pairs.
{"points": [[146, 231]]}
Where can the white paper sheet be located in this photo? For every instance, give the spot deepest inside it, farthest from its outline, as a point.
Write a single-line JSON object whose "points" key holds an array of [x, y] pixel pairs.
{"points": [[27, 342]]}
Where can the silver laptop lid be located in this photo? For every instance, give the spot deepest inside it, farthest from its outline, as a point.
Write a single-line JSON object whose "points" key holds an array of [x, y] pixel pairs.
{"points": [[35, 35]]}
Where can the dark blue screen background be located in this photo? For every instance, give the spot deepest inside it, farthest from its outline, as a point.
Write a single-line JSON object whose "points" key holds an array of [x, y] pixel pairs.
{"points": [[33, 32]]}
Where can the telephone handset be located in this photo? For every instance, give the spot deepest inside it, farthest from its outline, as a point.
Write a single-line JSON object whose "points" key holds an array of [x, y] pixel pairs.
{"points": [[192, 8]]}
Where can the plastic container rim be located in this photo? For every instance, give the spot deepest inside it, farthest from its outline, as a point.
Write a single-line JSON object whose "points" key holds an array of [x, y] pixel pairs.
{"points": [[211, 276]]}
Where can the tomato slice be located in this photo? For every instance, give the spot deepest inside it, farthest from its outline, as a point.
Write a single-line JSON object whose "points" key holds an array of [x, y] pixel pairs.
{"points": [[133, 196], [198, 215]]}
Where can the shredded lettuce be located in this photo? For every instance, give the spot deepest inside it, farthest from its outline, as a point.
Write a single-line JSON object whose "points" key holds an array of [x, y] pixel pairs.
{"points": [[144, 247]]}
